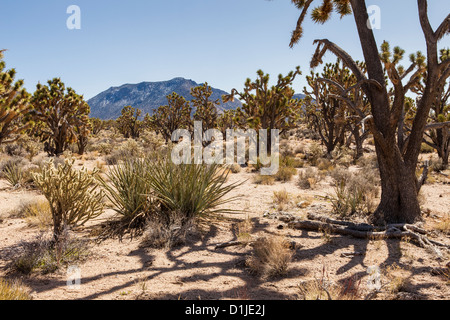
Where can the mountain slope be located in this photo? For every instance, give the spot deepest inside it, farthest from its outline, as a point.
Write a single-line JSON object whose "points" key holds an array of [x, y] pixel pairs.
{"points": [[146, 96]]}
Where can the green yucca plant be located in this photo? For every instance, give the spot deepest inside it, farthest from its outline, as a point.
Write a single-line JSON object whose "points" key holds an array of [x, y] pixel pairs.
{"points": [[13, 173], [190, 190], [127, 190]]}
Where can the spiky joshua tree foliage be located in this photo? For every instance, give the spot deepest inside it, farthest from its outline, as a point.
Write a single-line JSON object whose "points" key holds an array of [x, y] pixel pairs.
{"points": [[14, 105], [268, 107], [205, 109], [57, 112], [168, 118], [129, 124]]}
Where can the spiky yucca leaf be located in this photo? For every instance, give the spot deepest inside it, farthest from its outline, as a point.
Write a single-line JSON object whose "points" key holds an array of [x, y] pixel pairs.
{"points": [[190, 189]]}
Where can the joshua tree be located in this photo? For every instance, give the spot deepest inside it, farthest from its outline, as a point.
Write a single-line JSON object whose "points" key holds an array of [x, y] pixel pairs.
{"points": [[97, 125], [205, 109], [226, 121], [397, 161], [175, 115], [14, 104], [129, 124], [268, 107], [57, 112], [436, 131]]}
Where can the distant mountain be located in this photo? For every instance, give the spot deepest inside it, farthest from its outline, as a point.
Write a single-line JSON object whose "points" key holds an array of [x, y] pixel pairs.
{"points": [[146, 96]]}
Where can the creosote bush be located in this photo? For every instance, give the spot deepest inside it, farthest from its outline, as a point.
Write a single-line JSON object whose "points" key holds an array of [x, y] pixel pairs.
{"points": [[74, 195]]}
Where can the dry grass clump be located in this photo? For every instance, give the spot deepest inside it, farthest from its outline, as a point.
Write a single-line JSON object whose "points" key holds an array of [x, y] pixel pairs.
{"points": [[443, 225], [13, 290], [263, 179], [38, 213], [282, 199], [324, 289], [235, 168], [271, 257], [397, 279]]}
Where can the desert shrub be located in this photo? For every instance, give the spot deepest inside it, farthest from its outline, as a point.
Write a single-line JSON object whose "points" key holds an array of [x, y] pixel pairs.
{"points": [[308, 178], [425, 148], [13, 290], [354, 192], [325, 165], [271, 257], [264, 179], [14, 150], [235, 168], [285, 174], [291, 162], [46, 256], [315, 152], [437, 165], [159, 233], [74, 195], [368, 161]]}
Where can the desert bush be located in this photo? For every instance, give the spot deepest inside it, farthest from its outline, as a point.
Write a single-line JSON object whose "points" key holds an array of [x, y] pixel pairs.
{"points": [[325, 165], [235, 168], [271, 257], [354, 193], [425, 148], [44, 255], [308, 178], [285, 174], [315, 152], [263, 179], [74, 195], [13, 290]]}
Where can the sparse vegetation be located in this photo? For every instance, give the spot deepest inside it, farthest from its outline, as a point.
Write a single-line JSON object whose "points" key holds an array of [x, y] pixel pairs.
{"points": [[271, 257]]}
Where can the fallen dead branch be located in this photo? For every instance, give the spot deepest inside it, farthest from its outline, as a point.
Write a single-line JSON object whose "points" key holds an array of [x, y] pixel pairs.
{"points": [[365, 231]]}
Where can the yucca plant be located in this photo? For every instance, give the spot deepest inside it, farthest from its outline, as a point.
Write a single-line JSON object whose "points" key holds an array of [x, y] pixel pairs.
{"points": [[190, 190], [13, 173], [128, 191]]}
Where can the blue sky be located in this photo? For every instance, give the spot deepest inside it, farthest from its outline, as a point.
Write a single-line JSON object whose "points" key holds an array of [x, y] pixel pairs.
{"points": [[222, 42]]}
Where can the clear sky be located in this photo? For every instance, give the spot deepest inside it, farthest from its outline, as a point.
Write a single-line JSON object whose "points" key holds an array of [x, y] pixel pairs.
{"points": [[222, 42]]}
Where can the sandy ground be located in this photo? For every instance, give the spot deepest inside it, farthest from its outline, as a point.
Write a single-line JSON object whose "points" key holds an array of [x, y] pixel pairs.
{"points": [[196, 270]]}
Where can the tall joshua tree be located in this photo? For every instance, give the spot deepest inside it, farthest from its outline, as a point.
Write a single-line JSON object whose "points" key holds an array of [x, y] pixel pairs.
{"points": [[205, 109], [397, 161], [57, 112], [129, 124], [14, 104], [268, 107], [437, 132], [168, 118]]}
